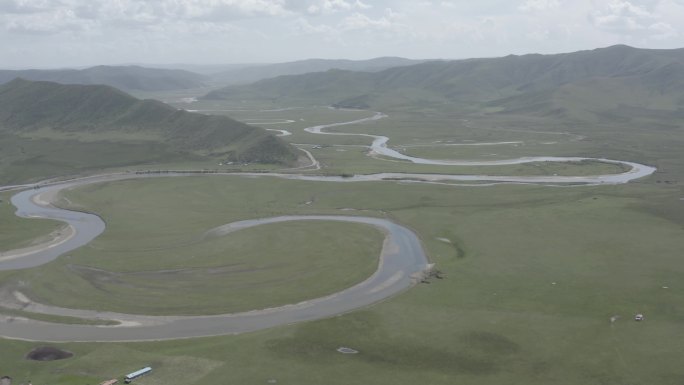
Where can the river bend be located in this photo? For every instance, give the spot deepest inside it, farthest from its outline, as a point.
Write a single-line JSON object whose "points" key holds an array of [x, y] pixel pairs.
{"points": [[402, 258]]}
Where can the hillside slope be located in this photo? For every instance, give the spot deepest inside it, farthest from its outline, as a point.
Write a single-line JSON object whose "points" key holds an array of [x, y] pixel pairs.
{"points": [[131, 78], [329, 86], [48, 126]]}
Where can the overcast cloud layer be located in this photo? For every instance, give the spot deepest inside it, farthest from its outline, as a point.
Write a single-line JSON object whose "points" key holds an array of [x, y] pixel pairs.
{"points": [[59, 33]]}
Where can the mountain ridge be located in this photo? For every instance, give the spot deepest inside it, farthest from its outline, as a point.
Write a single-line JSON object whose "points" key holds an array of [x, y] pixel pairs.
{"points": [[129, 78], [503, 83], [259, 72]]}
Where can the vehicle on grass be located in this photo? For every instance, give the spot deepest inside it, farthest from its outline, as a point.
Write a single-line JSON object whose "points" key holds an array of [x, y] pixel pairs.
{"points": [[138, 373]]}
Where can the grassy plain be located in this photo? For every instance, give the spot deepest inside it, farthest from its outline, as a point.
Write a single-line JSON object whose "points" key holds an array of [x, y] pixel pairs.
{"points": [[166, 267], [533, 274], [44, 156], [25, 160], [414, 132]]}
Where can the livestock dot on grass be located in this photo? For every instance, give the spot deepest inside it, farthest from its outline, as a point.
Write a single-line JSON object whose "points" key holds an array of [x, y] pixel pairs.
{"points": [[346, 350]]}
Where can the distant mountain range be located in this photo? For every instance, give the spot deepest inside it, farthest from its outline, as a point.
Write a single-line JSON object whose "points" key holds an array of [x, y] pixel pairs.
{"points": [[129, 78], [601, 81], [101, 113], [258, 72], [138, 78]]}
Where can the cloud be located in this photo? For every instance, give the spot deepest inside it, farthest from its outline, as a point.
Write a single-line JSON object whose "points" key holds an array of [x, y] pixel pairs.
{"points": [[61, 20], [539, 5], [304, 26], [23, 6], [621, 16], [626, 18], [223, 9], [334, 6], [662, 31], [271, 30], [146, 12], [101, 16], [359, 21]]}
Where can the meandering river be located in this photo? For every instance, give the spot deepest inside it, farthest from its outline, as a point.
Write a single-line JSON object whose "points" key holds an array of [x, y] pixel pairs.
{"points": [[402, 259]]}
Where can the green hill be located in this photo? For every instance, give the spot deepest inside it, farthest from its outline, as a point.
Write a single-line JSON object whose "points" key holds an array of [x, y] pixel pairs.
{"points": [[570, 84], [131, 78], [329, 86], [48, 128]]}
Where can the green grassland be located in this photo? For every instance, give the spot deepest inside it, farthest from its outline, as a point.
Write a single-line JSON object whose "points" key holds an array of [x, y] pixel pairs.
{"points": [[409, 127], [25, 160], [167, 267], [533, 275], [636, 139], [347, 154], [425, 126]]}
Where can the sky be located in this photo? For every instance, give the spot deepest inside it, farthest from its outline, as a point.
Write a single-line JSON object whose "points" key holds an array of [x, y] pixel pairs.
{"points": [[78, 33]]}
